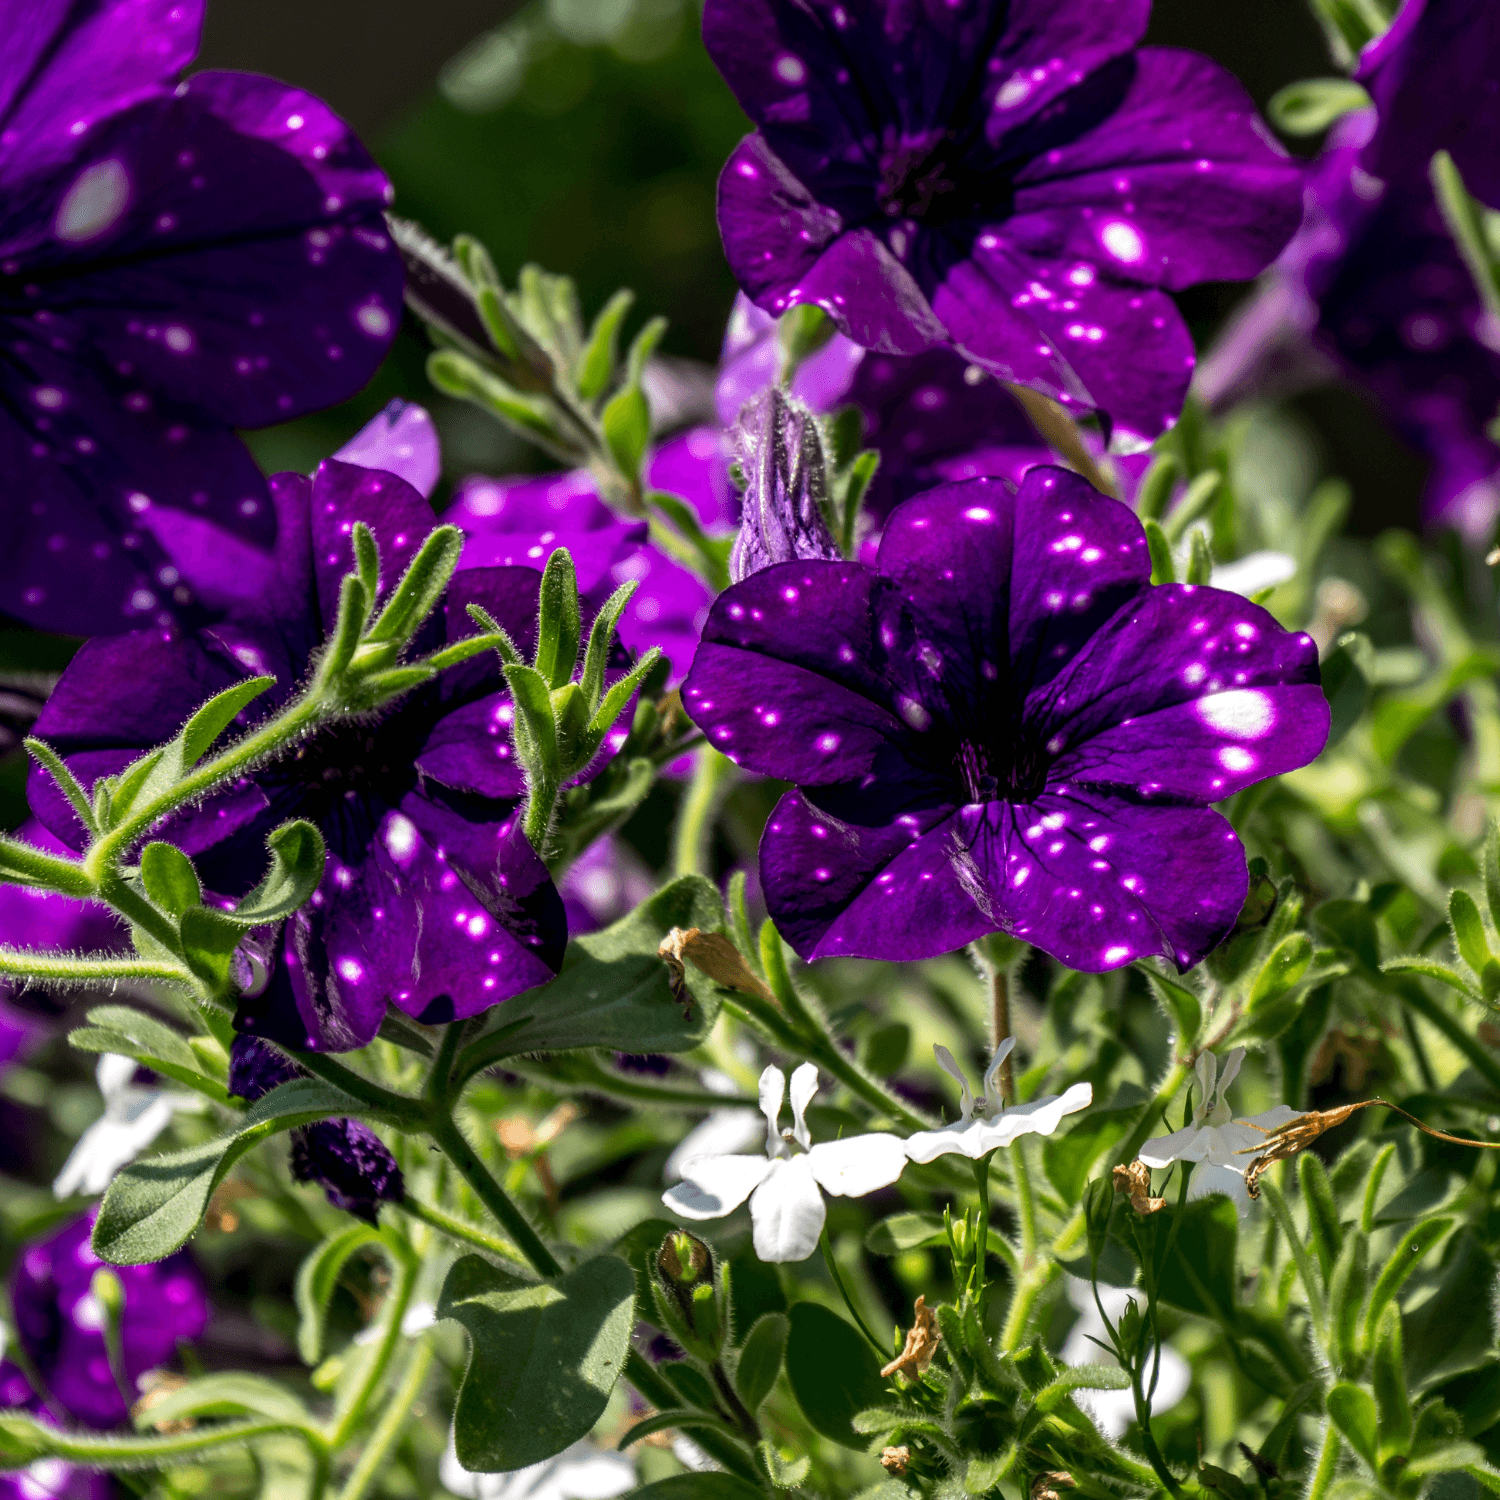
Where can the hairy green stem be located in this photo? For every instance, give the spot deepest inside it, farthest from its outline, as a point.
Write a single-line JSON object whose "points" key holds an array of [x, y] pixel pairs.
{"points": [[405, 1265], [1328, 1463], [1036, 1271], [1150, 1114], [382, 1103], [148, 1450], [388, 1429], [719, 1446], [834, 1271], [64, 968], [691, 842], [460, 1230]]}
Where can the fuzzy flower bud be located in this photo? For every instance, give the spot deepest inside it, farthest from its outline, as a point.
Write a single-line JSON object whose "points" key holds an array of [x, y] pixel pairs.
{"points": [[780, 453]]}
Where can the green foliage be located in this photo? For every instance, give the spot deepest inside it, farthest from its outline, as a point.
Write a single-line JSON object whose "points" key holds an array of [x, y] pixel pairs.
{"points": [[544, 1357]]}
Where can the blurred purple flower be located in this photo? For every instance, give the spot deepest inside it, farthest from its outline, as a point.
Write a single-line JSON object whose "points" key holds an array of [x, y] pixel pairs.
{"points": [[1012, 177], [176, 261], [60, 1324], [1373, 280], [604, 883], [352, 1165], [519, 521], [1003, 727], [432, 898]]}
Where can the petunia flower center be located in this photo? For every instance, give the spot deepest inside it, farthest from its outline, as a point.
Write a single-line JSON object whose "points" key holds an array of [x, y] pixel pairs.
{"points": [[354, 760], [988, 776], [912, 176]]}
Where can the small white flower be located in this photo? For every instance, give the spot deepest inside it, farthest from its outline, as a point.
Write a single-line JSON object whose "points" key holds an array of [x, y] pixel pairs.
{"points": [[1214, 1137], [133, 1117], [723, 1132], [583, 1472], [986, 1123], [1250, 574], [1114, 1411], [786, 1186]]}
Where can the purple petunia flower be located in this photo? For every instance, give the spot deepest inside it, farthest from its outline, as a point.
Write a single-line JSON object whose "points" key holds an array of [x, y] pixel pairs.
{"points": [[352, 1165], [60, 1324], [432, 898], [518, 522], [1002, 726], [1012, 177], [1373, 280], [176, 261]]}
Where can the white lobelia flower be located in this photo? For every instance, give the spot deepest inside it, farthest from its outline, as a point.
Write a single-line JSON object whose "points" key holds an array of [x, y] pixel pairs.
{"points": [[722, 1132], [583, 1472], [786, 1185], [134, 1115], [985, 1123], [1114, 1411], [1215, 1138]]}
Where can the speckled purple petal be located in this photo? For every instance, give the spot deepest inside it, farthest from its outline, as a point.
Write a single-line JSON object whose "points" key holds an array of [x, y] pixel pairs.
{"points": [[401, 441], [400, 926], [751, 359], [1079, 336], [342, 494], [1097, 880], [68, 65], [786, 247], [470, 749], [1180, 184], [61, 1329], [789, 679], [833, 84], [352, 1165], [1191, 692], [840, 881], [1006, 588]]}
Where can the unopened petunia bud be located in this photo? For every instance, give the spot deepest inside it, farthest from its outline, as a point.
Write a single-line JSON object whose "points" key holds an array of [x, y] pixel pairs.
{"points": [[691, 1295], [780, 453], [684, 1259]]}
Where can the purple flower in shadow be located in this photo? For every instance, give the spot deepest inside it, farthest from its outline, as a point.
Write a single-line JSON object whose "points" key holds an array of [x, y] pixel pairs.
{"points": [[1373, 281], [519, 521], [60, 1324], [176, 261], [1012, 177], [1002, 726], [352, 1165], [432, 898]]}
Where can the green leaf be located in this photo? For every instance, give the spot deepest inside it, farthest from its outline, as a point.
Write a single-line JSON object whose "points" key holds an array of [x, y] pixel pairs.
{"points": [[1311, 105], [626, 421], [1155, 491], [833, 1372], [153, 1206], [420, 588], [535, 726], [1324, 1228], [902, 1232], [1068, 1159], [1346, 1298], [784, 1474], [543, 1358], [1351, 1408], [559, 625], [232, 1393], [1387, 1375], [205, 726], [1180, 1003], [1352, 925], [209, 938], [1163, 569], [297, 858], [317, 1277], [1405, 1259], [1284, 966], [1196, 499], [601, 635], [169, 878], [1200, 560], [703, 1486], [760, 1359], [674, 1416], [1346, 673], [615, 991], [1468, 931], [601, 353], [1430, 969], [1200, 1276], [131, 1033], [1080, 1378]]}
